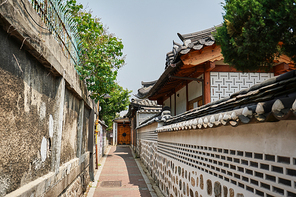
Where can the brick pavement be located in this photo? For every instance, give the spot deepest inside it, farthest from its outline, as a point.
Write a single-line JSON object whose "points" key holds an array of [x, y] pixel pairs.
{"points": [[120, 176]]}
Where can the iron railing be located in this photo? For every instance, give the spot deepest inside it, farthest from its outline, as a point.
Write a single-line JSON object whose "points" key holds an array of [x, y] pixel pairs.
{"points": [[60, 24]]}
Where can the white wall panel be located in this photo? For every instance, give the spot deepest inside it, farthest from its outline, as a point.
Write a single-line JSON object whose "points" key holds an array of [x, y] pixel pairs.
{"points": [[167, 102], [181, 101], [194, 90], [223, 84]]}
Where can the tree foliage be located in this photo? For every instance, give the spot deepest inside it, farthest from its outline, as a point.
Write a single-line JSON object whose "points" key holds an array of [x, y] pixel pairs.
{"points": [[118, 101], [100, 59], [255, 32]]}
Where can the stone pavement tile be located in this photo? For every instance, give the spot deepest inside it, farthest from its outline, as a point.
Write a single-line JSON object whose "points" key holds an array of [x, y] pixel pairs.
{"points": [[122, 172], [134, 193]]}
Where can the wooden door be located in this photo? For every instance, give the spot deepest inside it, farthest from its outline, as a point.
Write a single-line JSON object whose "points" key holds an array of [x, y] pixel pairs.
{"points": [[124, 134]]}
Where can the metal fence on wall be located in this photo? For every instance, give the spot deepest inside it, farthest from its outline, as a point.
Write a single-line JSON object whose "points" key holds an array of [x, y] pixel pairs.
{"points": [[60, 24]]}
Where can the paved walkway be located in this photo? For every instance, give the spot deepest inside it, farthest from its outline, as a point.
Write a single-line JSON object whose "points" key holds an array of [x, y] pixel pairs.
{"points": [[121, 176]]}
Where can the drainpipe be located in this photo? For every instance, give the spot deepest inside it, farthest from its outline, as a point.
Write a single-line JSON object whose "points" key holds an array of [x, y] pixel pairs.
{"points": [[91, 144], [96, 134], [96, 142], [105, 96]]}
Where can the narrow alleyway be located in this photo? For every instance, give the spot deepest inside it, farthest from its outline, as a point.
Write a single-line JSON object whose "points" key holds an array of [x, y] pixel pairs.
{"points": [[121, 176]]}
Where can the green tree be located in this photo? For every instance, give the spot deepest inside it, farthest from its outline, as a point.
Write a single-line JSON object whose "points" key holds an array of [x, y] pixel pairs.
{"points": [[99, 60], [252, 31], [118, 101]]}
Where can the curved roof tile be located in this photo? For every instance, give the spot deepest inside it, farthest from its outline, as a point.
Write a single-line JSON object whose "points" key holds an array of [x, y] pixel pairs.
{"points": [[271, 100], [195, 41]]}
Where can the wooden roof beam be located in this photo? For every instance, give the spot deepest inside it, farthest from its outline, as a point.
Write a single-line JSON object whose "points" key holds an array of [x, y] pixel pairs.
{"points": [[209, 66], [185, 78], [198, 68], [280, 68], [195, 58]]}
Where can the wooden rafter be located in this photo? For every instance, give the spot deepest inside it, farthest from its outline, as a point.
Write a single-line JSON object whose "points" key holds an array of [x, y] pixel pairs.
{"points": [[281, 68], [195, 58]]}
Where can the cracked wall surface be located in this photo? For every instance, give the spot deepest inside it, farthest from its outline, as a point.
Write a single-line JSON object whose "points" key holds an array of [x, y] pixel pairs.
{"points": [[44, 112]]}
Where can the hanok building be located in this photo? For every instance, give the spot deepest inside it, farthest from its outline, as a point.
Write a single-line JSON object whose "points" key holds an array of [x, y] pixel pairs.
{"points": [[239, 138], [121, 131], [195, 74], [125, 128], [139, 111]]}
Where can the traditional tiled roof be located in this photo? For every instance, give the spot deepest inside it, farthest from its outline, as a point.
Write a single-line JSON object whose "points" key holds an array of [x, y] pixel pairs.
{"points": [[271, 100], [102, 122], [162, 116], [146, 87], [143, 91], [121, 119], [192, 41], [145, 103], [143, 106], [148, 83], [149, 110]]}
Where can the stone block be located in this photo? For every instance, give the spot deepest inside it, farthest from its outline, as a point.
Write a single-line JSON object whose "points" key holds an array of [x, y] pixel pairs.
{"points": [[231, 192], [225, 191], [201, 182], [217, 189], [209, 187], [191, 194], [192, 181]]}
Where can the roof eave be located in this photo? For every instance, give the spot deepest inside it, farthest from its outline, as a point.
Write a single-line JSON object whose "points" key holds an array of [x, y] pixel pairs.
{"points": [[165, 75]]}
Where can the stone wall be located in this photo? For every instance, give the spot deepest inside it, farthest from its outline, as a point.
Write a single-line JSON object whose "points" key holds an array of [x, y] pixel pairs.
{"points": [[147, 149], [248, 160], [44, 111]]}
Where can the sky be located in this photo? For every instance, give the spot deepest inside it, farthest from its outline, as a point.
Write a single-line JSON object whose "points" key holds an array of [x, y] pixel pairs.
{"points": [[148, 28]]}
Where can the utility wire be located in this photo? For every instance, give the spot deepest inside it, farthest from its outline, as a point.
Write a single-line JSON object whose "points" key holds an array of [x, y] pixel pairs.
{"points": [[33, 18], [3, 3], [49, 30]]}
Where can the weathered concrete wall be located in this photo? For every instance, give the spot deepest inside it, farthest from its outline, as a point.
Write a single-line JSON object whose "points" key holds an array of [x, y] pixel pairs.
{"points": [[27, 105], [248, 160], [44, 111]]}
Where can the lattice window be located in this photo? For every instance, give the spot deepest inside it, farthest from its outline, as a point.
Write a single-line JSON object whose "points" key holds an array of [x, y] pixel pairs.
{"points": [[223, 84]]}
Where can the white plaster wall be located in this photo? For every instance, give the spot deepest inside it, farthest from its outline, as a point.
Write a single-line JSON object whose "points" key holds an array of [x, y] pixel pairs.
{"points": [[215, 145], [150, 127], [141, 117], [169, 180], [114, 133], [223, 84], [270, 138], [173, 106], [194, 90], [167, 102], [142, 144], [181, 101]]}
